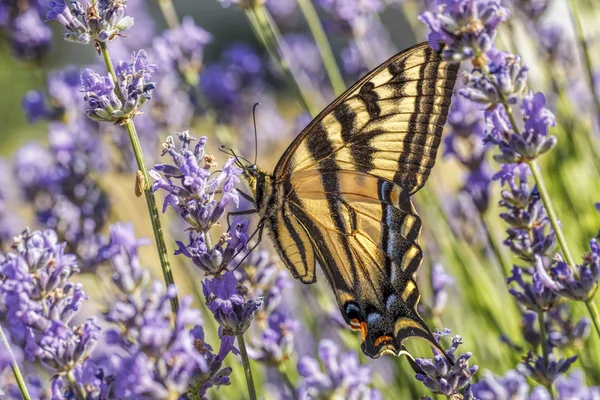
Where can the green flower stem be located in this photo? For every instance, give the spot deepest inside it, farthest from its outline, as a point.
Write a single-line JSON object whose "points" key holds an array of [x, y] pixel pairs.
{"points": [[150, 199], [15, 367], [168, 11], [318, 33], [79, 392], [543, 344], [268, 34], [586, 53], [286, 380], [247, 369], [593, 310]]}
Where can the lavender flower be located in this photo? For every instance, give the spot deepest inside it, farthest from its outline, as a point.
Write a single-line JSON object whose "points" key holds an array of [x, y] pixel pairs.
{"points": [[30, 38], [39, 302], [578, 282], [573, 387], [182, 49], [195, 197], [512, 385], [536, 368], [277, 342], [563, 332], [10, 224], [226, 301], [133, 86], [57, 182], [101, 21], [441, 377], [533, 139], [502, 77], [210, 373], [466, 28], [533, 296], [531, 9], [343, 377], [530, 234]]}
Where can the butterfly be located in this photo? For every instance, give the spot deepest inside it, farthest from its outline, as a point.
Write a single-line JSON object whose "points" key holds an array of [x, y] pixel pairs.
{"points": [[340, 195]]}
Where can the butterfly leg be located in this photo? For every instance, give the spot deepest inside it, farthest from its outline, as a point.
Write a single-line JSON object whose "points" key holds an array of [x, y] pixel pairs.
{"points": [[258, 230], [234, 213]]}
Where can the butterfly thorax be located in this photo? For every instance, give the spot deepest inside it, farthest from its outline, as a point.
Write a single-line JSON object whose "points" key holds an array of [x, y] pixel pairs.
{"points": [[261, 185]]}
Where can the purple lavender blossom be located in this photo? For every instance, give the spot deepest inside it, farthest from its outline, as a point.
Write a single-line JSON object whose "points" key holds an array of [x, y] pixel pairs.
{"points": [[562, 331], [122, 251], [512, 385], [58, 183], [574, 387], [276, 344], [101, 21], [503, 77], [536, 368], [210, 373], [579, 282], [440, 279], [464, 142], [39, 302], [533, 296], [226, 301], [533, 139], [343, 375], [133, 89], [10, 223], [441, 377], [182, 49], [195, 197], [231, 85], [530, 234], [30, 38], [464, 28]]}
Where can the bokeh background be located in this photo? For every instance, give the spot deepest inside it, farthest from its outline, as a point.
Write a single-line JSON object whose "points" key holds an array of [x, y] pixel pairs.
{"points": [[463, 233]]}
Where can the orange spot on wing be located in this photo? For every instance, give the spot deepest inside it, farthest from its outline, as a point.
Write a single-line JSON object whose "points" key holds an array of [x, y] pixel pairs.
{"points": [[359, 326], [383, 339]]}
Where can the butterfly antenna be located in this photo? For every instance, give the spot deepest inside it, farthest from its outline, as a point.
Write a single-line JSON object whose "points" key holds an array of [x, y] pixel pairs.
{"points": [[255, 134], [229, 151]]}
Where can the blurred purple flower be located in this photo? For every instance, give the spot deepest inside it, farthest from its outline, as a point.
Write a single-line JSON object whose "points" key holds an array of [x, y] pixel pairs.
{"points": [[535, 367], [562, 332], [133, 89], [210, 373], [464, 29], [10, 223], [122, 251], [182, 49], [440, 279], [343, 375], [226, 301], [232, 84], [441, 377], [276, 343], [57, 182], [531, 9], [512, 385], [574, 387], [30, 38], [306, 56], [39, 302], [101, 21]]}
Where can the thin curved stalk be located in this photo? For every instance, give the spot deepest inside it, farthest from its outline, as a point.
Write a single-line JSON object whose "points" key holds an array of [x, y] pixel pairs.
{"points": [[318, 33], [247, 369], [150, 199], [15, 367], [168, 11]]}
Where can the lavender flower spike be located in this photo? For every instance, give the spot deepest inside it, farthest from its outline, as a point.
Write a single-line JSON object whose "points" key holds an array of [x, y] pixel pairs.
{"points": [[439, 375], [133, 89], [101, 21], [466, 28]]}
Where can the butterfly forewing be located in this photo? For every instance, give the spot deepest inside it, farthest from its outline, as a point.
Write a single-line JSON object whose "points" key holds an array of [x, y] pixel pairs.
{"points": [[340, 194]]}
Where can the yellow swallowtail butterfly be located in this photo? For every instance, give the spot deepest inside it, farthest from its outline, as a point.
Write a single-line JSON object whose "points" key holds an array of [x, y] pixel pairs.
{"points": [[340, 195]]}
